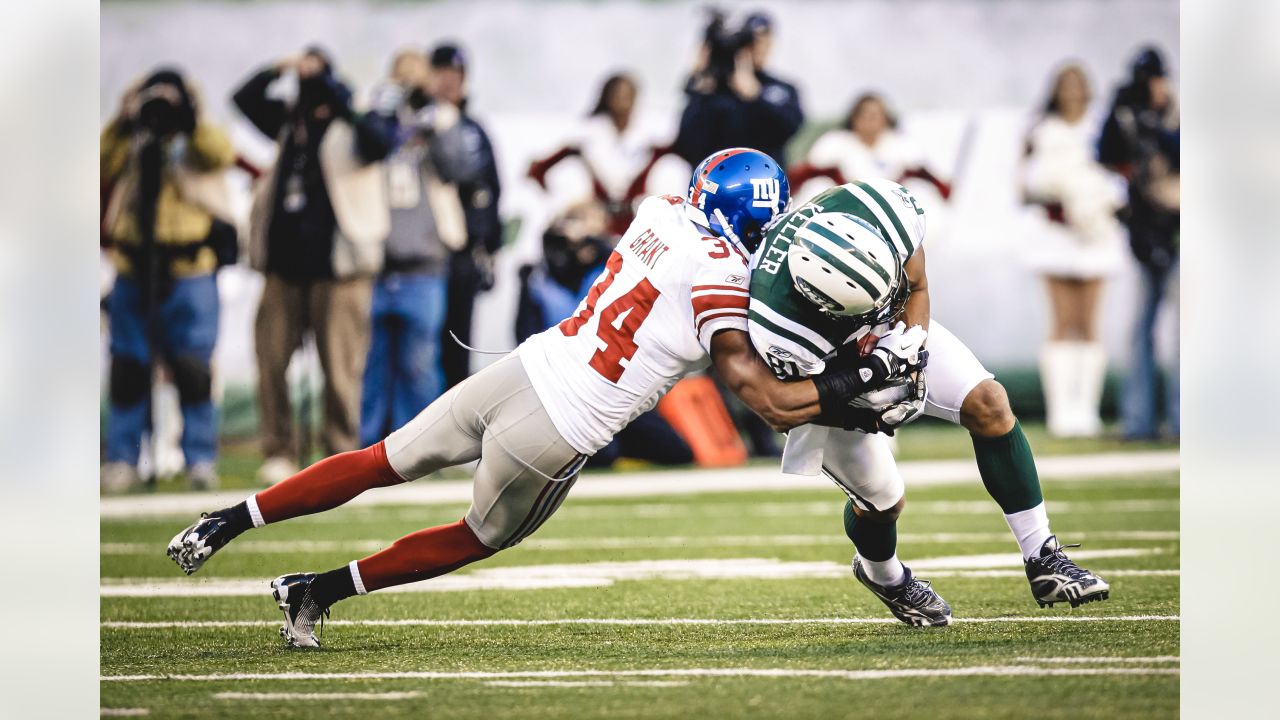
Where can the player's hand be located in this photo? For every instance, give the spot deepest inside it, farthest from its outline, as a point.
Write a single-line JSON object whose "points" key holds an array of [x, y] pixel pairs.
{"points": [[900, 351], [743, 81], [884, 418], [900, 413]]}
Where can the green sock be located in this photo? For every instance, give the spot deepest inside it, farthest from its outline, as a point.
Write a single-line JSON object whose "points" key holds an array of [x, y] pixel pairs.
{"points": [[1008, 470], [875, 541]]}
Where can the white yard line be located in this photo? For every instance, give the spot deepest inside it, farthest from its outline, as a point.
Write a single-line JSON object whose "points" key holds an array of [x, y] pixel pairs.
{"points": [[584, 683], [1100, 660], [511, 622], [972, 671], [1108, 573], [597, 574], [664, 541], [124, 712], [404, 695], [917, 474]]}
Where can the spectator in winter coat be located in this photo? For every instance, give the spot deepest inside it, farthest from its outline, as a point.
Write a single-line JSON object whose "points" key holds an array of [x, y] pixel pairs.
{"points": [[468, 155], [166, 224], [402, 374], [1141, 141], [317, 231], [739, 106]]}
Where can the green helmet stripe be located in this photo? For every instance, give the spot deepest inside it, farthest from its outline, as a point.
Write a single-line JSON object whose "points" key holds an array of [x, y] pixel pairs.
{"points": [[888, 210], [843, 242], [844, 268]]}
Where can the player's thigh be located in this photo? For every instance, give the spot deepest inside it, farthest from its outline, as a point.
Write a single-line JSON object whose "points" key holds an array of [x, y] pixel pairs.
{"points": [[451, 429], [864, 467], [526, 470], [952, 373]]}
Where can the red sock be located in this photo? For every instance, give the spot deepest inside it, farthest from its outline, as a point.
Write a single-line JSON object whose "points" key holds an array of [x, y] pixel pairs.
{"points": [[421, 555], [327, 484]]}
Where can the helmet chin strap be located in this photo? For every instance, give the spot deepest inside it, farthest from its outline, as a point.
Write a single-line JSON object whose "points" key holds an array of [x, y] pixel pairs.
{"points": [[727, 230]]}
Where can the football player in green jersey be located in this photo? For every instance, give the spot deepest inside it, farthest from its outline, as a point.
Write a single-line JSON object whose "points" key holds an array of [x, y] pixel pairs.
{"points": [[847, 270]]}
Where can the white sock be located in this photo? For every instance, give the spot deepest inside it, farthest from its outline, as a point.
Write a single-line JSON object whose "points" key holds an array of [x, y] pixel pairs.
{"points": [[356, 579], [1031, 528], [885, 573], [254, 513]]}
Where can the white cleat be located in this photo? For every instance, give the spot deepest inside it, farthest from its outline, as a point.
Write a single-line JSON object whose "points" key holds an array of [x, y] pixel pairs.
{"points": [[192, 547], [301, 613]]}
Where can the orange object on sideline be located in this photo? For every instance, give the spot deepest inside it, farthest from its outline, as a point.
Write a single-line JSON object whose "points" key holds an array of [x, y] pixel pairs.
{"points": [[695, 410]]}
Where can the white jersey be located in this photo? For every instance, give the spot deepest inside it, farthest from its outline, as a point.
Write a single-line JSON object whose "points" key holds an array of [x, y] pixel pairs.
{"points": [[646, 322]]}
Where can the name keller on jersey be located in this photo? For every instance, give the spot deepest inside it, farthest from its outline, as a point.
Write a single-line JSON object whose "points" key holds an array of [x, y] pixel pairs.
{"points": [[775, 251], [648, 247]]}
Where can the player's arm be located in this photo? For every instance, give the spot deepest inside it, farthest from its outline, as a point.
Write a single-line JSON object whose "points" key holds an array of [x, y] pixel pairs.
{"points": [[916, 311], [822, 400]]}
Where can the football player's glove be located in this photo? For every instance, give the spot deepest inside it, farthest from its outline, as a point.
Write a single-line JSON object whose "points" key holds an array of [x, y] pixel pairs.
{"points": [[901, 350], [898, 353], [897, 414], [886, 409]]}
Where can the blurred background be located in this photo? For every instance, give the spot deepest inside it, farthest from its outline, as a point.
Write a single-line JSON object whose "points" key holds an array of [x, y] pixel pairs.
{"points": [[476, 162]]}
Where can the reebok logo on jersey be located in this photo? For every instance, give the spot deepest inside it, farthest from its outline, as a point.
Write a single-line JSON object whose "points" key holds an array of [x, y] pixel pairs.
{"points": [[908, 199], [765, 193], [779, 352], [735, 279]]}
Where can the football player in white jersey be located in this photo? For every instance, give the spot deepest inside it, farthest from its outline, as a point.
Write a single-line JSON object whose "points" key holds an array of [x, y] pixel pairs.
{"points": [[847, 270], [672, 299]]}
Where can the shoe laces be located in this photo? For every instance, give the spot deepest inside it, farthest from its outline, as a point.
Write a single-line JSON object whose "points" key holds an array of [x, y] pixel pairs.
{"points": [[1058, 562], [918, 593]]}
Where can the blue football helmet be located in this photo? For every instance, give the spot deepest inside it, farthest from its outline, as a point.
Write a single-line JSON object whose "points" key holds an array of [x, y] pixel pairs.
{"points": [[738, 191]]}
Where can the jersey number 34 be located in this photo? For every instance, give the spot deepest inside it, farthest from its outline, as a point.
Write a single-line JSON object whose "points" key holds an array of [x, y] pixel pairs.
{"points": [[618, 336]]}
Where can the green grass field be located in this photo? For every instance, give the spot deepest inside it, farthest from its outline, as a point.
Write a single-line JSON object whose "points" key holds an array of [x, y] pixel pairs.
{"points": [[716, 605]]}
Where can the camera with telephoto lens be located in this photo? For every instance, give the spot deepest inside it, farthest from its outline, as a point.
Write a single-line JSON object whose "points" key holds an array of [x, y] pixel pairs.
{"points": [[158, 115], [164, 105], [723, 47]]}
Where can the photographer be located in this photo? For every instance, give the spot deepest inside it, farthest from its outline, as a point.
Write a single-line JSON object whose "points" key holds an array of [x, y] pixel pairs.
{"points": [[163, 163], [402, 374], [468, 161], [317, 230], [1140, 140], [732, 100]]}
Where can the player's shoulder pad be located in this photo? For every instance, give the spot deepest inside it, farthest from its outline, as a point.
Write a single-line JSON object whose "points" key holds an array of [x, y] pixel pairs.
{"points": [[660, 206], [905, 205]]}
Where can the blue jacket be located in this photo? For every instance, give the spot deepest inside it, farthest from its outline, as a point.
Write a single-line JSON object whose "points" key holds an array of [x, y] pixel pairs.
{"points": [[720, 119]]}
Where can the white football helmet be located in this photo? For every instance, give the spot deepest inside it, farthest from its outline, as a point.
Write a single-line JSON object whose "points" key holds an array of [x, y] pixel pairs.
{"points": [[844, 265]]}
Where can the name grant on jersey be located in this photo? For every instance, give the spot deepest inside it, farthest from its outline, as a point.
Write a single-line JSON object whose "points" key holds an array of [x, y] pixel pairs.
{"points": [[648, 248]]}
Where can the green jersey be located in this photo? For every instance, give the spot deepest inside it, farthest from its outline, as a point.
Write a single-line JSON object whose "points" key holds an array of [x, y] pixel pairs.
{"points": [[788, 330]]}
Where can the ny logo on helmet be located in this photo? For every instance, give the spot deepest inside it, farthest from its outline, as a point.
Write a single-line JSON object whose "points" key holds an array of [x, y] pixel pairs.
{"points": [[765, 193]]}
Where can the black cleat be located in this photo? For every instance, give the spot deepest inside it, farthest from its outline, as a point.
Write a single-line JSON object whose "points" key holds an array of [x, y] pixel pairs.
{"points": [[192, 547], [301, 612], [913, 601], [1055, 578]]}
